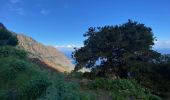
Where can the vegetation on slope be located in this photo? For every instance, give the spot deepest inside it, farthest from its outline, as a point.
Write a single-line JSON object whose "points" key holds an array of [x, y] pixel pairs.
{"points": [[130, 74], [20, 79], [23, 80], [124, 52]]}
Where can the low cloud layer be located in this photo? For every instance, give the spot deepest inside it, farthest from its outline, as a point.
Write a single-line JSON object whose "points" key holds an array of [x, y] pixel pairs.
{"points": [[69, 47], [162, 44]]}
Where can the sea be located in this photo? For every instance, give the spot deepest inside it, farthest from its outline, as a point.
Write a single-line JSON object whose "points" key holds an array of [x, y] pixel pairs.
{"points": [[69, 53]]}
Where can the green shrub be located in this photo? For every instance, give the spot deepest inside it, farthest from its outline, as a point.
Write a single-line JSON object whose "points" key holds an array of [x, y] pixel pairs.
{"points": [[155, 77], [6, 51], [121, 89], [35, 88], [60, 90], [7, 38], [77, 75], [154, 97], [9, 95], [89, 75], [21, 79], [88, 96], [11, 67]]}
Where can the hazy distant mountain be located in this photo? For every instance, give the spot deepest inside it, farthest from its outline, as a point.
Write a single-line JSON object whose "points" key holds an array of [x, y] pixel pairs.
{"points": [[163, 50], [47, 54], [69, 52]]}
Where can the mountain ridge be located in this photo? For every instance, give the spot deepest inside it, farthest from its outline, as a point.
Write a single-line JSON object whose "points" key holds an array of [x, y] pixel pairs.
{"points": [[47, 54]]}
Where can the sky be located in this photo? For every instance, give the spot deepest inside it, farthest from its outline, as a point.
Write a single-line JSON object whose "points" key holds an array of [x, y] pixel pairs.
{"points": [[62, 23]]}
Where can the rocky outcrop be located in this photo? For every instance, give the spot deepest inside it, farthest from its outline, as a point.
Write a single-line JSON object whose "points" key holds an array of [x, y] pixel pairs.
{"points": [[46, 54]]}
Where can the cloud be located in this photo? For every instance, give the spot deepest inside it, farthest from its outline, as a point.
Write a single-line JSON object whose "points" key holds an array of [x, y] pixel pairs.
{"points": [[45, 11], [14, 1], [19, 11], [69, 47], [162, 44], [66, 46], [16, 7]]}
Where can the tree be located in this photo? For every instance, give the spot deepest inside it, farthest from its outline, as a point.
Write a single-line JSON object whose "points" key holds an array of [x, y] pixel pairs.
{"points": [[7, 38], [112, 49]]}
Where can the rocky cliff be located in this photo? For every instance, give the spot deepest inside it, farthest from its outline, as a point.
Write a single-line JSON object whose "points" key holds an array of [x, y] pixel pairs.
{"points": [[47, 54]]}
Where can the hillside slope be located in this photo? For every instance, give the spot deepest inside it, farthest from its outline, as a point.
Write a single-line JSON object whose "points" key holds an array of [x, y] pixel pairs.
{"points": [[47, 54]]}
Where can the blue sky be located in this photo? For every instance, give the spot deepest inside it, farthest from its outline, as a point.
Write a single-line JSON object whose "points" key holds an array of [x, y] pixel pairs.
{"points": [[62, 23]]}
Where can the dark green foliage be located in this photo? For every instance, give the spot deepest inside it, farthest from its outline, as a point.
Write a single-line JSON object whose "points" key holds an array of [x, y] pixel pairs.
{"points": [[78, 75], [124, 51], [154, 97], [7, 38], [155, 77], [9, 95], [20, 79], [123, 89], [121, 49], [114, 47], [64, 90], [11, 67], [89, 75], [35, 88], [88, 96], [6, 51]]}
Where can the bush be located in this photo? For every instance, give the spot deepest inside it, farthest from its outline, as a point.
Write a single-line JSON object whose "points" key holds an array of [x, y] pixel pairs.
{"points": [[122, 89], [11, 67], [21, 80], [64, 90], [7, 38], [9, 95], [88, 96], [60, 90], [77, 75], [35, 88], [6, 51], [155, 77]]}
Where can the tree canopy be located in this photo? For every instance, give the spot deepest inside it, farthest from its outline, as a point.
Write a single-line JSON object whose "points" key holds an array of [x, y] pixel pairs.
{"points": [[112, 48], [7, 38]]}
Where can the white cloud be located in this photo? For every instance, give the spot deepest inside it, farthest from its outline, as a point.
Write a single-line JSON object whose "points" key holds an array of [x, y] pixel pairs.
{"points": [[158, 44], [162, 44], [69, 47], [45, 11], [15, 6], [20, 11], [14, 1]]}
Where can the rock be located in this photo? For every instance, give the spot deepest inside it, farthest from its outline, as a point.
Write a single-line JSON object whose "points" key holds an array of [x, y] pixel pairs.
{"points": [[47, 54]]}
